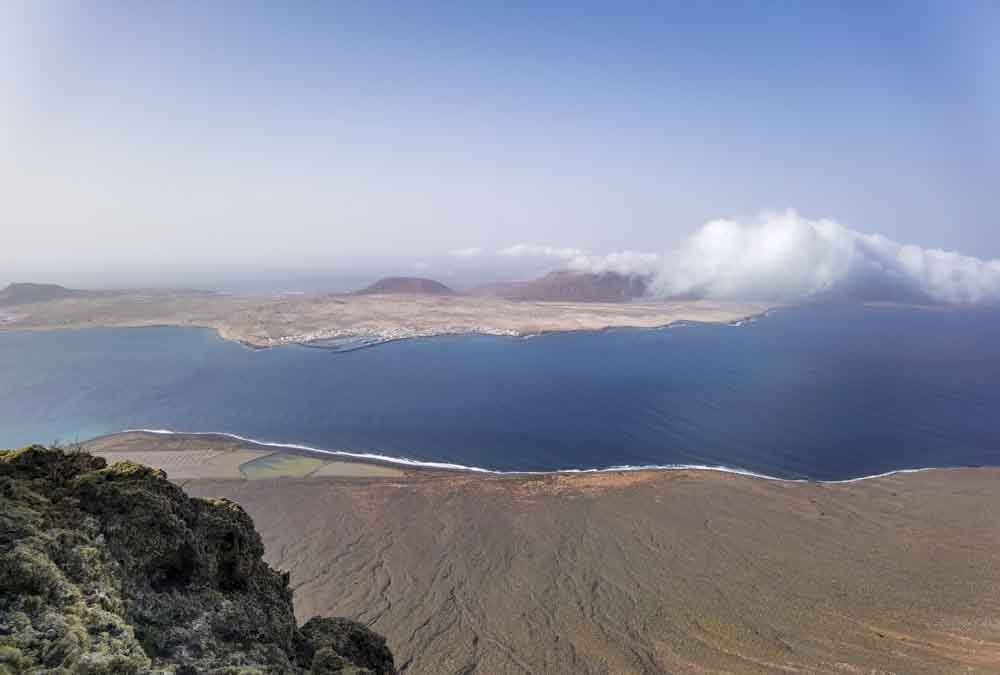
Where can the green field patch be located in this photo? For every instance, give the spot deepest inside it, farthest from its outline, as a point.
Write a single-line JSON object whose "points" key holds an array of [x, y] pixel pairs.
{"points": [[278, 465]]}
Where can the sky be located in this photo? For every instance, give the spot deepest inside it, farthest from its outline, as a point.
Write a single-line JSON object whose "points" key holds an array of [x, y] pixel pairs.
{"points": [[220, 144]]}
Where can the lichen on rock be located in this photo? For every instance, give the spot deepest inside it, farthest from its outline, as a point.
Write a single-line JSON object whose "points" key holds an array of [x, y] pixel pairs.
{"points": [[113, 569]]}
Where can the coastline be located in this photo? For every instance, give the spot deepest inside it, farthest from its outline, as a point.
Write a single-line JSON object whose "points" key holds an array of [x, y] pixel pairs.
{"points": [[421, 466], [370, 341], [261, 322], [357, 342]]}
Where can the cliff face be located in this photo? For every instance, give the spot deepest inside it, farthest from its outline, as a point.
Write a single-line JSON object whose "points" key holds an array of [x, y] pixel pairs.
{"points": [[113, 569]]}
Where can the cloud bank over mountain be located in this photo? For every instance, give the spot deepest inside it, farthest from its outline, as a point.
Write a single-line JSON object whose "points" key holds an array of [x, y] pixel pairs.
{"points": [[628, 263], [786, 257], [783, 257]]}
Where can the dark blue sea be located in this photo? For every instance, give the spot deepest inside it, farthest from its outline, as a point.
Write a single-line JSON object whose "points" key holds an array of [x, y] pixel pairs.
{"points": [[824, 392]]}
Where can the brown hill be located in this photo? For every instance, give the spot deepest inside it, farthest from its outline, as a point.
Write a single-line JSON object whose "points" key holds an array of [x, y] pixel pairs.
{"points": [[27, 293], [659, 572], [409, 285], [622, 572], [571, 286]]}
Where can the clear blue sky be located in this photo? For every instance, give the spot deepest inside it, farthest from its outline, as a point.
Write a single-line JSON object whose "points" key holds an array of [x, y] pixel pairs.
{"points": [[195, 140]]}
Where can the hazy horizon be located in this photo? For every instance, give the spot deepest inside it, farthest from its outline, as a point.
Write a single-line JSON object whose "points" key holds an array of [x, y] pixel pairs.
{"points": [[319, 147]]}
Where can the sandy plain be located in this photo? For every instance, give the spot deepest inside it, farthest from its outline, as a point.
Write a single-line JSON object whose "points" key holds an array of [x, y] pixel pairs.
{"points": [[268, 321], [637, 572], [187, 456]]}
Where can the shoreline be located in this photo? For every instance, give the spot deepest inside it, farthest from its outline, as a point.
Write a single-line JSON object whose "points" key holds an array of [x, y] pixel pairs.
{"points": [[420, 466], [262, 322], [368, 341]]}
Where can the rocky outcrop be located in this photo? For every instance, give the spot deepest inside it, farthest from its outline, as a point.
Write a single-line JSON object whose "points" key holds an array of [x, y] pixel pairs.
{"points": [[113, 569], [326, 643]]}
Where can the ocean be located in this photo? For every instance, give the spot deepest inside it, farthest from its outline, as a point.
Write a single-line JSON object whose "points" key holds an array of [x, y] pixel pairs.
{"points": [[829, 392]]}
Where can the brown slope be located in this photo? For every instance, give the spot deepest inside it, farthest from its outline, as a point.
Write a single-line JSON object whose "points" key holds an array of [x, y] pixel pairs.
{"points": [[571, 286], [28, 293], [656, 572], [410, 285]]}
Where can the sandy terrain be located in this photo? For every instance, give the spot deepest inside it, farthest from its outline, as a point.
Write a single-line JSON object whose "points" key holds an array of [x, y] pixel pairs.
{"points": [[357, 470], [184, 464], [673, 572], [187, 456], [645, 572], [266, 321], [140, 441]]}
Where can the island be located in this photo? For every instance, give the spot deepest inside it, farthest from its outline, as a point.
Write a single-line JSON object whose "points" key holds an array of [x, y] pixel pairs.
{"points": [[388, 310]]}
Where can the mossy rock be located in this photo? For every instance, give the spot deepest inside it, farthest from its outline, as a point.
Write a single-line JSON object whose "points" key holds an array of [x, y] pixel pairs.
{"points": [[113, 569], [354, 642]]}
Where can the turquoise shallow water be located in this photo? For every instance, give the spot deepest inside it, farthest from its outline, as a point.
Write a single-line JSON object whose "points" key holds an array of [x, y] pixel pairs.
{"points": [[832, 392]]}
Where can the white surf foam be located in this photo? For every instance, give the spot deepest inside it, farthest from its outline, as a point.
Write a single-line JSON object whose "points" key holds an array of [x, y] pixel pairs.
{"points": [[405, 461]]}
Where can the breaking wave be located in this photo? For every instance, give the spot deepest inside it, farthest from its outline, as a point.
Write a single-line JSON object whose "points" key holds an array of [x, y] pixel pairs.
{"points": [[404, 461]]}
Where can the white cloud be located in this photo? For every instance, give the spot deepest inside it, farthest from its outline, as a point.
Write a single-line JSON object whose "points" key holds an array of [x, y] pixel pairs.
{"points": [[581, 260], [421, 266], [536, 251], [787, 257], [471, 252], [628, 263]]}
